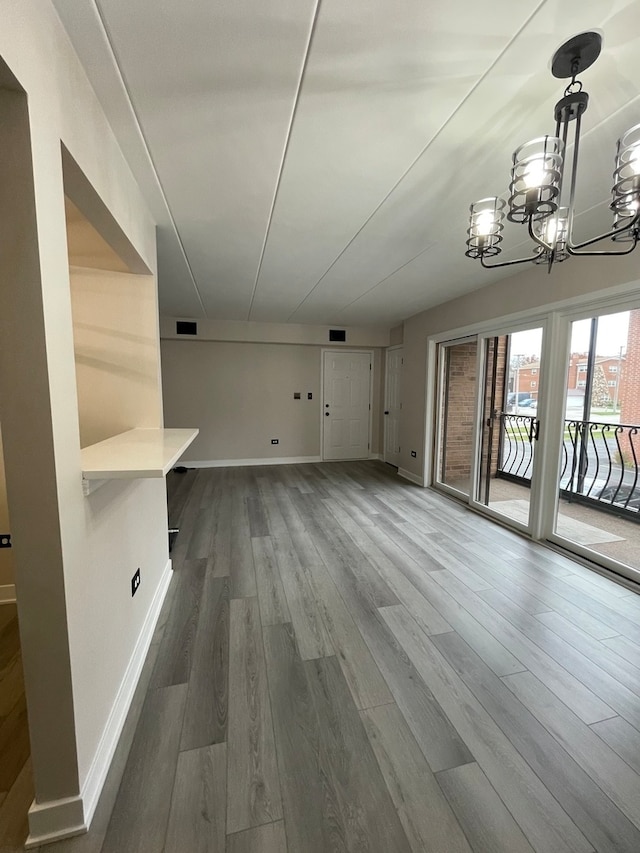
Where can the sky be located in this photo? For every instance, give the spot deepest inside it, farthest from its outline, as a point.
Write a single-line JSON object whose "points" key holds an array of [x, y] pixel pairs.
{"points": [[612, 334]]}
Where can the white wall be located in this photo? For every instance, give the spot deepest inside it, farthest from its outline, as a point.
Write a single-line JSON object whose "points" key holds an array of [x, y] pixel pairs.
{"points": [[117, 364], [240, 396], [115, 326], [280, 333], [396, 335], [6, 554], [532, 290], [79, 625]]}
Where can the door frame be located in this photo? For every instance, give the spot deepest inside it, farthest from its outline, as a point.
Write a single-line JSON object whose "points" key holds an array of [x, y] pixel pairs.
{"points": [[483, 331], [384, 401], [370, 352], [500, 330], [515, 323]]}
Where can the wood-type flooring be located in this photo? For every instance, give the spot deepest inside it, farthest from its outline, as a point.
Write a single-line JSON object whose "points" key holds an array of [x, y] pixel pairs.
{"points": [[16, 783], [347, 662]]}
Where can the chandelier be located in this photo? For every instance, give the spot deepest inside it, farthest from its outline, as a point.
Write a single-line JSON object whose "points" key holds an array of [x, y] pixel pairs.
{"points": [[543, 184]]}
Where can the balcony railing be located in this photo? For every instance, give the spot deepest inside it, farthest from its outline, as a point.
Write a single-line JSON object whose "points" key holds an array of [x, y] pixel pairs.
{"points": [[515, 458], [600, 461]]}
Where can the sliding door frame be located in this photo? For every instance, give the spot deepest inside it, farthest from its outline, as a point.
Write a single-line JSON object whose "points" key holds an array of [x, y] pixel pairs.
{"points": [[498, 331], [598, 309], [556, 321], [440, 368]]}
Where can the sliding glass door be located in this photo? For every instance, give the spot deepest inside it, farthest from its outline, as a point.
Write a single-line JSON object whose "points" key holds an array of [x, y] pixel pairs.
{"points": [[598, 505], [543, 431], [487, 420], [509, 426]]}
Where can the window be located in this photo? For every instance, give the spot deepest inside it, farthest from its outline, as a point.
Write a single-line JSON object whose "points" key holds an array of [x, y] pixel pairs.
{"points": [[533, 384], [613, 368], [612, 383], [581, 383], [534, 370], [582, 368]]}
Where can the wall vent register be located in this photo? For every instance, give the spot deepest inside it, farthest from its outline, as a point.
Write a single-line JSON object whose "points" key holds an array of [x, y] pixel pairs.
{"points": [[338, 335], [186, 327]]}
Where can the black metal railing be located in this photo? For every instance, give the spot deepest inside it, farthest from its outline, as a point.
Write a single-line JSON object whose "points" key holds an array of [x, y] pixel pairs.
{"points": [[515, 455], [600, 464], [600, 461]]}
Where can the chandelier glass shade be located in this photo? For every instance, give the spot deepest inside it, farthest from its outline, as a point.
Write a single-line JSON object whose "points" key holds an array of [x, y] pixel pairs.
{"points": [[543, 180], [535, 179], [553, 231], [485, 228]]}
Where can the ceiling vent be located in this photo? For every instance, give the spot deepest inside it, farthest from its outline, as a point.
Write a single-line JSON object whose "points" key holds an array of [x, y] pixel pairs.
{"points": [[338, 335], [186, 327]]}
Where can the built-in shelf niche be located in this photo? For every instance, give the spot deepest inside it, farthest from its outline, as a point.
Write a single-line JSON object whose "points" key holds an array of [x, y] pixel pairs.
{"points": [[116, 345]]}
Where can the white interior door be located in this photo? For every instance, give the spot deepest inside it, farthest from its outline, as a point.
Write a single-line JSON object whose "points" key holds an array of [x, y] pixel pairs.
{"points": [[346, 405], [393, 405]]}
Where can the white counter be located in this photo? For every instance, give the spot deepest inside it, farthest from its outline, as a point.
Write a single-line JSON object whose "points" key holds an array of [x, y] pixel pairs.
{"points": [[136, 453]]}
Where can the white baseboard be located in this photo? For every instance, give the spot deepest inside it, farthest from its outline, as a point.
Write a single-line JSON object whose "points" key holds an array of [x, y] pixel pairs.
{"points": [[63, 818], [409, 475], [102, 761], [235, 463], [8, 594], [272, 460], [55, 820]]}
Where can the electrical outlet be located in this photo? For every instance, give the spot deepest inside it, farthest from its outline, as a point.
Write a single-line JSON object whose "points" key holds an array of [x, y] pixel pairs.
{"points": [[414, 454], [296, 395], [5, 540], [275, 441], [135, 583], [309, 396]]}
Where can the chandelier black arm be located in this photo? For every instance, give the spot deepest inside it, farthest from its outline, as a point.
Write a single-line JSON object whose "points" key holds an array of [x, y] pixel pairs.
{"points": [[628, 227], [603, 252], [504, 263], [537, 239]]}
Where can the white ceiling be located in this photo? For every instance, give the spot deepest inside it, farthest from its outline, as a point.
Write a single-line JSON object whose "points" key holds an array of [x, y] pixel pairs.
{"points": [[314, 162]]}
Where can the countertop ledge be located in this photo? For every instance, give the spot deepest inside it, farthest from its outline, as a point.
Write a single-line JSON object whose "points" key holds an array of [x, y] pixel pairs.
{"points": [[135, 454]]}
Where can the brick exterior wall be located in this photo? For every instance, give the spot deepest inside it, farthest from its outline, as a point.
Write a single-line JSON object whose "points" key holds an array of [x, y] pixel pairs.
{"points": [[613, 368], [528, 377], [460, 391], [630, 391], [499, 353]]}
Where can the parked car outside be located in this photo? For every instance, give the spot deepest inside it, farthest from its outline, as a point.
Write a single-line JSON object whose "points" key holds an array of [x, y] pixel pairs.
{"points": [[525, 401], [522, 395]]}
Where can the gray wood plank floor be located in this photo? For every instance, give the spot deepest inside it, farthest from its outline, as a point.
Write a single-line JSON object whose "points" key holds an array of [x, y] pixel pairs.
{"points": [[347, 662]]}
